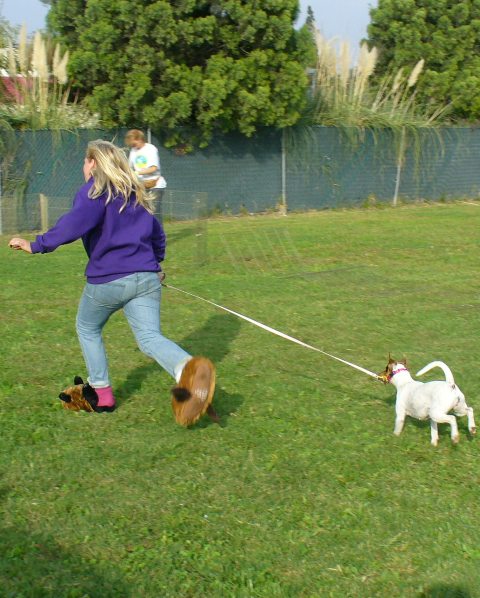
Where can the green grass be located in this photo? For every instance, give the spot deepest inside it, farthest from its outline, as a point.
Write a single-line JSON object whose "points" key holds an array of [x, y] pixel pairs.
{"points": [[303, 490]]}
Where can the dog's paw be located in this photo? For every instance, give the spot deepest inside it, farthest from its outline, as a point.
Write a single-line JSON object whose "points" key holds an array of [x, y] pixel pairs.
{"points": [[473, 431], [455, 439]]}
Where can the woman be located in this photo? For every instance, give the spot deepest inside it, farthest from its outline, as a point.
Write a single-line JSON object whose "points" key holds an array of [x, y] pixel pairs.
{"points": [[125, 244]]}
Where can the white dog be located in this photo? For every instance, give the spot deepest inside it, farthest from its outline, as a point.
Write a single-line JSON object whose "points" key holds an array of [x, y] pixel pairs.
{"points": [[429, 400]]}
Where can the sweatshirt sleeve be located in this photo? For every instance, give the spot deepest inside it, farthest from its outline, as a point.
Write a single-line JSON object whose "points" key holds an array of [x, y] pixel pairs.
{"points": [[159, 240], [86, 214]]}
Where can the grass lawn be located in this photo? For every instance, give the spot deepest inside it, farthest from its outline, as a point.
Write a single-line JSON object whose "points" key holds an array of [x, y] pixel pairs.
{"points": [[303, 490]]}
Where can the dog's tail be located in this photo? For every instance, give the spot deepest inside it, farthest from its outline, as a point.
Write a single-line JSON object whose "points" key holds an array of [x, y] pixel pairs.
{"points": [[439, 364]]}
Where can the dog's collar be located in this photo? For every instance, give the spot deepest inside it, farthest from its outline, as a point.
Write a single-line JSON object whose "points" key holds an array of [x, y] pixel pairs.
{"points": [[397, 372]]}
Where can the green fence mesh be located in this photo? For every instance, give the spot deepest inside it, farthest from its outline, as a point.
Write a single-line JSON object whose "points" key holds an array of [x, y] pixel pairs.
{"points": [[341, 169], [325, 168]]}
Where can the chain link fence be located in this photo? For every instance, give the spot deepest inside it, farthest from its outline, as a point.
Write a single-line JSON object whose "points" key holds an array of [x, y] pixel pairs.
{"points": [[339, 168], [327, 168]]}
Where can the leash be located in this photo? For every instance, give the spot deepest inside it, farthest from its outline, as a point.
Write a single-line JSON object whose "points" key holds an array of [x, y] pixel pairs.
{"points": [[277, 332]]}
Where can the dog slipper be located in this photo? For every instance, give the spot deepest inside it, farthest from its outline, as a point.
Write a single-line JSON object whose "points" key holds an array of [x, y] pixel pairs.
{"points": [[193, 394], [83, 397], [79, 397]]}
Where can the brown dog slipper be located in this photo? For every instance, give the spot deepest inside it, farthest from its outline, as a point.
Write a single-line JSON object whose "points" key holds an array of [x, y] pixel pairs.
{"points": [[79, 397], [193, 394]]}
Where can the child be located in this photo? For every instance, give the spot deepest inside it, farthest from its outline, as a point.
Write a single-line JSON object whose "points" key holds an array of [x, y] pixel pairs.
{"points": [[145, 161], [124, 243]]}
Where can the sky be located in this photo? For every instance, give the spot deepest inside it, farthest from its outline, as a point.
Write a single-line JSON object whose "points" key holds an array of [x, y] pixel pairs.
{"points": [[345, 19]]}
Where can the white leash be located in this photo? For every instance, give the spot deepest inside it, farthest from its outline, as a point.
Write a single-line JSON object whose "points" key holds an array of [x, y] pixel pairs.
{"points": [[273, 331]]}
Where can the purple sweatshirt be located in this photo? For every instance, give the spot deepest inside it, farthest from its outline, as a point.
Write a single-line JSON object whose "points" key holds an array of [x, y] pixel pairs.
{"points": [[117, 243]]}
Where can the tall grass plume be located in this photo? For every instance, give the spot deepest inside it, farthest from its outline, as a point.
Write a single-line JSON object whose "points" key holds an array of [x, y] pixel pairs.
{"points": [[345, 94], [34, 90]]}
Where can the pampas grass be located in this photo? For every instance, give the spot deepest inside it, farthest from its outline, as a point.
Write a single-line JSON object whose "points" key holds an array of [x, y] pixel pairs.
{"points": [[344, 95], [36, 94], [23, 49]]}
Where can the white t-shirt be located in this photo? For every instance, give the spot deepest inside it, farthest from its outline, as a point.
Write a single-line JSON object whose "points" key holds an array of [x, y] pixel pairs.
{"points": [[145, 157]]}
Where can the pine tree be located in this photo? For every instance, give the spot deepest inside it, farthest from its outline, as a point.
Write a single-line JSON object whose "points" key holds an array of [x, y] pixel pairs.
{"points": [[188, 68], [310, 17]]}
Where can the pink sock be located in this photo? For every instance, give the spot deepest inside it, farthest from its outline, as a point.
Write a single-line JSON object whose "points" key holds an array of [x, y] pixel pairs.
{"points": [[105, 397]]}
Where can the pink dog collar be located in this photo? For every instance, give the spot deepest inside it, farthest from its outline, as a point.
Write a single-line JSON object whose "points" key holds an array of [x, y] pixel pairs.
{"points": [[397, 372]]}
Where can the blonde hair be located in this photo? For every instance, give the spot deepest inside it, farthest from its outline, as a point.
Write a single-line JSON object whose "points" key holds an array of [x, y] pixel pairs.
{"points": [[134, 134], [113, 175]]}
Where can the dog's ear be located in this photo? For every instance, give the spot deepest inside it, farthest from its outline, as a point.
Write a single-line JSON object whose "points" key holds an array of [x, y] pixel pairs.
{"points": [[90, 395], [64, 397], [78, 380], [404, 361]]}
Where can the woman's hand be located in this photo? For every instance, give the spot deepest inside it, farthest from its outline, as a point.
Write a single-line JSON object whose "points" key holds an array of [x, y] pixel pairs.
{"points": [[22, 244], [161, 276]]}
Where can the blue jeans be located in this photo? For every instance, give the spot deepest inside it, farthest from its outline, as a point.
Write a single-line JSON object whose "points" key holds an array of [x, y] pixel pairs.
{"points": [[139, 295]]}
